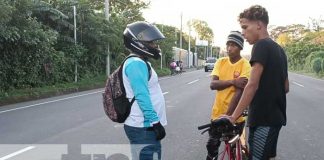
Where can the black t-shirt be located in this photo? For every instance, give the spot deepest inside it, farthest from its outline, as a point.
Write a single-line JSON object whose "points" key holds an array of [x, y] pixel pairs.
{"points": [[268, 107]]}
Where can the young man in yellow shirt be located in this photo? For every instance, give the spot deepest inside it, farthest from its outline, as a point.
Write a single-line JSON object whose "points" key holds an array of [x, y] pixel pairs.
{"points": [[229, 77]]}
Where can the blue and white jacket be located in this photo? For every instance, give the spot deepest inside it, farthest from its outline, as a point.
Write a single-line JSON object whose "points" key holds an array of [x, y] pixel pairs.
{"points": [[149, 104]]}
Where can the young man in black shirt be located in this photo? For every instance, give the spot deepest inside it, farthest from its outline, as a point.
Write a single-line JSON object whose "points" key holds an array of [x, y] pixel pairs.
{"points": [[265, 93]]}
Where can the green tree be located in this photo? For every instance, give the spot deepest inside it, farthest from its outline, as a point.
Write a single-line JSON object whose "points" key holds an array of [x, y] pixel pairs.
{"points": [[317, 65], [203, 30], [292, 32], [311, 57], [24, 46], [37, 39], [283, 39], [167, 44]]}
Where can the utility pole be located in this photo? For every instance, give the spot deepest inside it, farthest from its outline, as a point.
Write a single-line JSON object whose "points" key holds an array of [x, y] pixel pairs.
{"points": [[176, 37], [161, 51], [211, 51], [181, 31], [180, 36], [75, 42], [108, 51], [195, 56], [188, 59]]}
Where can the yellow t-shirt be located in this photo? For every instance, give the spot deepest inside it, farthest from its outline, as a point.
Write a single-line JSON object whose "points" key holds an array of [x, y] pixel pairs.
{"points": [[225, 70]]}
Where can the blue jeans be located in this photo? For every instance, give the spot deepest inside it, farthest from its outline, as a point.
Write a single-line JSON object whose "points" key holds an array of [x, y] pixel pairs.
{"points": [[144, 145]]}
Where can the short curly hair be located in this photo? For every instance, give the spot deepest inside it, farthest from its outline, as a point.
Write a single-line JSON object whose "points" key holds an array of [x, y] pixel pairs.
{"points": [[255, 12]]}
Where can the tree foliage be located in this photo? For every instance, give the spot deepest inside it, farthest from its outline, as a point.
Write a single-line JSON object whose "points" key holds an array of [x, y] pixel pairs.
{"points": [[303, 45], [203, 30], [283, 39], [37, 44], [167, 43], [317, 65], [303, 52], [293, 31], [38, 47], [24, 45]]}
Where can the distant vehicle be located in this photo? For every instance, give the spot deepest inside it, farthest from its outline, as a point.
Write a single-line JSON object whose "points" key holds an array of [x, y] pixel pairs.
{"points": [[209, 64]]}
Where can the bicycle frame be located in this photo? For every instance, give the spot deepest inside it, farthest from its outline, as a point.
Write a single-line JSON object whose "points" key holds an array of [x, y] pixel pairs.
{"points": [[228, 149], [231, 138]]}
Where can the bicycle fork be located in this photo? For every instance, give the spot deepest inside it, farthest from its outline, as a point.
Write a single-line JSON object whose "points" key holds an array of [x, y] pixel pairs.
{"points": [[233, 152]]}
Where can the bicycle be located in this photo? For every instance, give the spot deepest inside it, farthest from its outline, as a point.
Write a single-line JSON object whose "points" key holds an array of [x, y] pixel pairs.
{"points": [[233, 150]]}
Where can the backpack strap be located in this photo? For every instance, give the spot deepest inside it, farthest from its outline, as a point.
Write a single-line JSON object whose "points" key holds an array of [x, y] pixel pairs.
{"points": [[149, 69]]}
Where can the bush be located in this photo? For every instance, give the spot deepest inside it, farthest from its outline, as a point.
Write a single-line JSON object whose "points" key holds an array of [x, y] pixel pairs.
{"points": [[163, 71], [317, 65], [310, 58], [323, 65]]}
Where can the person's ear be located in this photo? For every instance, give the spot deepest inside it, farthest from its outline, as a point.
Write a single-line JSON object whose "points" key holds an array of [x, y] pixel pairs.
{"points": [[259, 25]]}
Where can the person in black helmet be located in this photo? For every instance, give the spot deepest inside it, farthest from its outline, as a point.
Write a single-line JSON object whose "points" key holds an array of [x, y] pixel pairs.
{"points": [[144, 126]]}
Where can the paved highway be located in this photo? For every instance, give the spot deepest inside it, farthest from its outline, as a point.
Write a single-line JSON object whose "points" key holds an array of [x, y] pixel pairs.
{"points": [[75, 126]]}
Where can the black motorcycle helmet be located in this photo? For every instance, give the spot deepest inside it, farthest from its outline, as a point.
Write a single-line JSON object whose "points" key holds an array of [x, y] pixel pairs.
{"points": [[139, 35]]}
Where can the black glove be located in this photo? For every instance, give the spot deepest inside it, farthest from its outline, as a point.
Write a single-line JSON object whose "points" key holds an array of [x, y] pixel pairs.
{"points": [[159, 131]]}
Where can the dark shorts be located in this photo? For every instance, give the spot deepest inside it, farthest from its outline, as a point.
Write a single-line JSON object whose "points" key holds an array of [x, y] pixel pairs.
{"points": [[263, 142]]}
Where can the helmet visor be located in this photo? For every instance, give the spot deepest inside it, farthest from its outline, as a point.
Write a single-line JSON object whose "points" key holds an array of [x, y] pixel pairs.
{"points": [[150, 34]]}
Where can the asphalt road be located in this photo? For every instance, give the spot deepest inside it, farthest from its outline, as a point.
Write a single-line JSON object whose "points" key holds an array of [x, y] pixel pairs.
{"points": [[76, 127]]}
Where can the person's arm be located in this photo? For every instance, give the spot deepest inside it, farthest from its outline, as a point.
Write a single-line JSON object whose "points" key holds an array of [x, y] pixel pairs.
{"points": [[217, 84], [286, 71], [234, 101], [287, 85], [249, 91], [138, 74]]}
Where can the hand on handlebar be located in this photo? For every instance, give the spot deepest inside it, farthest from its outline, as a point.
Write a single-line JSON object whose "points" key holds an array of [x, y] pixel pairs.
{"points": [[230, 118]]}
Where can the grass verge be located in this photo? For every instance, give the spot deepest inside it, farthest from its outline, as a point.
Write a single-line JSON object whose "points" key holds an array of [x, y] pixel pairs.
{"points": [[310, 74], [21, 95]]}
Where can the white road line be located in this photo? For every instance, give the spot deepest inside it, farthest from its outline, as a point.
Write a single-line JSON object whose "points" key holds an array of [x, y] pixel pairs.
{"points": [[62, 99], [300, 85], [16, 153], [193, 81], [165, 93]]}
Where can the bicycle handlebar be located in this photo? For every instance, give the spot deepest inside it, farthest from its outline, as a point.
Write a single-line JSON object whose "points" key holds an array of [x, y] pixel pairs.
{"points": [[220, 122], [216, 123], [204, 126]]}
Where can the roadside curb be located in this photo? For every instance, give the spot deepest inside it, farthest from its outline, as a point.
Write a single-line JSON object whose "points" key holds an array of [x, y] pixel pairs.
{"points": [[14, 100]]}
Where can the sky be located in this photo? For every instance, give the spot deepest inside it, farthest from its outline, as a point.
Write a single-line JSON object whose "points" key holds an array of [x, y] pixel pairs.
{"points": [[221, 15]]}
